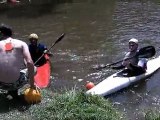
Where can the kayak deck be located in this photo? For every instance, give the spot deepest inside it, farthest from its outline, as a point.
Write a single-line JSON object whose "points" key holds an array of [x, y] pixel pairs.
{"points": [[115, 82], [42, 78]]}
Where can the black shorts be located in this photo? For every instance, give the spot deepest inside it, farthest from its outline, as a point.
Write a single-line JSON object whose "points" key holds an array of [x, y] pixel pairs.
{"points": [[130, 73]]}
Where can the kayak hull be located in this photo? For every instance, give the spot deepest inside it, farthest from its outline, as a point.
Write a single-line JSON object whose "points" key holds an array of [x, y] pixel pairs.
{"points": [[42, 77], [115, 82]]}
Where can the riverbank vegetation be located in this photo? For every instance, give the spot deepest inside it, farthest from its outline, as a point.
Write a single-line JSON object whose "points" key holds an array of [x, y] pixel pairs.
{"points": [[152, 115], [76, 106], [66, 105], [69, 105]]}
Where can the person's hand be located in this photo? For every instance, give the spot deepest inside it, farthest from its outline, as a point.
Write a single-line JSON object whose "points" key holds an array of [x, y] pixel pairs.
{"points": [[45, 51], [103, 66], [113, 67], [34, 87], [108, 65]]}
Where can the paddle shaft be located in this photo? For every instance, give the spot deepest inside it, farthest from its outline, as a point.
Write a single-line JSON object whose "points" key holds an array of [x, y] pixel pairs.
{"points": [[145, 52], [115, 63], [59, 39]]}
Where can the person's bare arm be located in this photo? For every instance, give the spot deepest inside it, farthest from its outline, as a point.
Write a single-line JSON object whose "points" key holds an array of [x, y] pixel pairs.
{"points": [[29, 63]]}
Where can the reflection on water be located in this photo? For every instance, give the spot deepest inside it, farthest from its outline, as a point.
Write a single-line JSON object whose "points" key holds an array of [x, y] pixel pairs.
{"points": [[97, 32]]}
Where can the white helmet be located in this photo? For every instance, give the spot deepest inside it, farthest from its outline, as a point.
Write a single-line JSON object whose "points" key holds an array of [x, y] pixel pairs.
{"points": [[34, 36], [133, 40]]}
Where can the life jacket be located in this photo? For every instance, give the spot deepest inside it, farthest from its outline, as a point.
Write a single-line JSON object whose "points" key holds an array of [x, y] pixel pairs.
{"points": [[36, 52]]}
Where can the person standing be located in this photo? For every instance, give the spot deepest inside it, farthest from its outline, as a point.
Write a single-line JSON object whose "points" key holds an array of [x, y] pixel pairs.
{"points": [[14, 54]]}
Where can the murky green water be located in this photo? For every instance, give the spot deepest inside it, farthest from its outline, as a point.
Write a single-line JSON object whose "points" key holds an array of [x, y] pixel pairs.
{"points": [[97, 32]]}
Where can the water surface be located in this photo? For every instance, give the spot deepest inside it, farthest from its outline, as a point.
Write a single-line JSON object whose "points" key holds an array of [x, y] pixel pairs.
{"points": [[97, 32]]}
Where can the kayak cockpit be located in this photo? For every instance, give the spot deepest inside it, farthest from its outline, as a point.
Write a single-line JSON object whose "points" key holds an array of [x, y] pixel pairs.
{"points": [[128, 73]]}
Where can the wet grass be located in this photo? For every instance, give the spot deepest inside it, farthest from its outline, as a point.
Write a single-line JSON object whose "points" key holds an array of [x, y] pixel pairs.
{"points": [[77, 106], [71, 105], [152, 115]]}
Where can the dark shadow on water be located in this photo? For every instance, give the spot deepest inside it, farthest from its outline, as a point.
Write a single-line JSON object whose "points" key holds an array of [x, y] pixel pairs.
{"points": [[9, 105], [31, 10]]}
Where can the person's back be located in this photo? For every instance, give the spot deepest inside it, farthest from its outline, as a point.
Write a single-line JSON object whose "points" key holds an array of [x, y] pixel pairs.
{"points": [[14, 57], [11, 61]]}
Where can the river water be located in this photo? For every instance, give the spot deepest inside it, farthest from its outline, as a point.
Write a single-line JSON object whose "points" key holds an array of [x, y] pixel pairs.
{"points": [[96, 32]]}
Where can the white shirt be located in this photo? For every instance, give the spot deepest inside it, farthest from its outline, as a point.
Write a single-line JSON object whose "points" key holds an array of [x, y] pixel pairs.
{"points": [[142, 63]]}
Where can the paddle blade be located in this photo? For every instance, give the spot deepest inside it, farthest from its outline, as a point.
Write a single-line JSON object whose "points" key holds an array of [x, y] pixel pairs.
{"points": [[146, 52], [60, 38]]}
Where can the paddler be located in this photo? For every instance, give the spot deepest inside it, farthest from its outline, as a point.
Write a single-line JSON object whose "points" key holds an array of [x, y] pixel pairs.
{"points": [[37, 50], [135, 65], [13, 53]]}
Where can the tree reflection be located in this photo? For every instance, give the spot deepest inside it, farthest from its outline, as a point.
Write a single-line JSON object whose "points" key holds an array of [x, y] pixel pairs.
{"points": [[30, 8]]}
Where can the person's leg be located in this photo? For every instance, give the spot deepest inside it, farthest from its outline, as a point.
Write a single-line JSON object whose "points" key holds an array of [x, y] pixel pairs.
{"points": [[13, 93], [139, 71]]}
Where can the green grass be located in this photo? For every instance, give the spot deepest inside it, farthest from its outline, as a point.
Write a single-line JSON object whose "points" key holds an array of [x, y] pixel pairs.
{"points": [[70, 105], [152, 115], [75, 105]]}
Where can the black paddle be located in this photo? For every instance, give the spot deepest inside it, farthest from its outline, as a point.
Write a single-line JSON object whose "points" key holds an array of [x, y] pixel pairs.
{"points": [[145, 52], [59, 39]]}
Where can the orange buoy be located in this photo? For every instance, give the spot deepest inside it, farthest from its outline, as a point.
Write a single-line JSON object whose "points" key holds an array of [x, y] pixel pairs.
{"points": [[89, 85], [32, 96]]}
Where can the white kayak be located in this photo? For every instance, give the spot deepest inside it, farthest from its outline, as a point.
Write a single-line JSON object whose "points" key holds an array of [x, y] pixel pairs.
{"points": [[115, 82]]}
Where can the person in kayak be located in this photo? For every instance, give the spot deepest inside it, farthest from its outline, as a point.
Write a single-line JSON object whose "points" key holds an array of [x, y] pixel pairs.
{"points": [[133, 66], [14, 54], [37, 50]]}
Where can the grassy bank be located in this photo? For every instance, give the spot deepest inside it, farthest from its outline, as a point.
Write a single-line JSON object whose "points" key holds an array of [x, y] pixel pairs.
{"points": [[71, 105], [74, 105], [152, 115]]}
